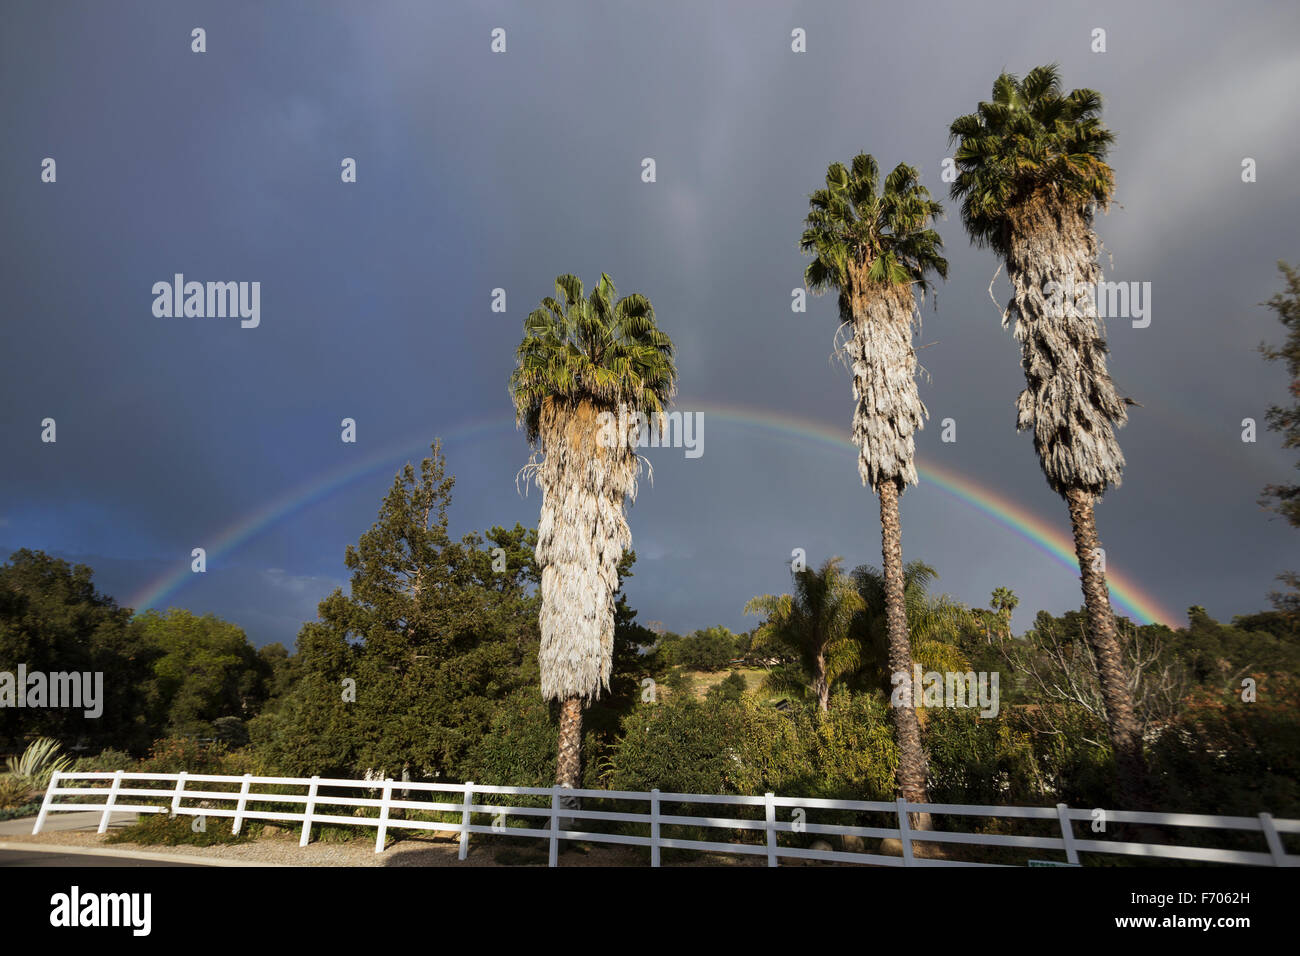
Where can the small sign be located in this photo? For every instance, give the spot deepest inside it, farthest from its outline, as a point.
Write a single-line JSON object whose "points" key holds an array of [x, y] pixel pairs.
{"points": [[1051, 863]]}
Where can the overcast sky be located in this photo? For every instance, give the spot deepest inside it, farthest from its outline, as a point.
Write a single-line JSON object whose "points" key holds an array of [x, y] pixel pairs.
{"points": [[479, 170]]}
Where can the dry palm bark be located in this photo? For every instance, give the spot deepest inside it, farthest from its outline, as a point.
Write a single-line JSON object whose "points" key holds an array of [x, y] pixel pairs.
{"points": [[581, 535], [888, 412], [1073, 409]]}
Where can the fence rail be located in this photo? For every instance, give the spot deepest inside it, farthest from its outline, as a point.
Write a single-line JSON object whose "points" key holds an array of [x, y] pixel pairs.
{"points": [[560, 819]]}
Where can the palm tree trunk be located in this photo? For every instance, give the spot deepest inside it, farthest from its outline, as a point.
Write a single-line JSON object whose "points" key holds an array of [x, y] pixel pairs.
{"points": [[568, 766], [821, 686], [912, 767], [568, 769], [1125, 734]]}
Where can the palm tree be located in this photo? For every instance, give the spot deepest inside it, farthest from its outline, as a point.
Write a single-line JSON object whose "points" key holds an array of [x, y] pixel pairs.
{"points": [[1004, 602], [816, 622], [876, 248], [933, 624], [585, 367], [1031, 174]]}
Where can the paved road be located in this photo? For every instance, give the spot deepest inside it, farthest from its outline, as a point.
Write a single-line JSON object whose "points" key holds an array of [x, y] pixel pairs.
{"points": [[41, 858], [76, 820]]}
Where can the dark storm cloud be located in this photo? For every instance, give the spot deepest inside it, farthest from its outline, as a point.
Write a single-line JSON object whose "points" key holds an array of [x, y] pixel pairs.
{"points": [[478, 171]]}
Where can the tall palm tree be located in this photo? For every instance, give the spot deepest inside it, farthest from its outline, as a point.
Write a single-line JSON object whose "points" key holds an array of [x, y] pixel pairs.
{"points": [[584, 368], [875, 247], [1031, 174], [816, 621]]}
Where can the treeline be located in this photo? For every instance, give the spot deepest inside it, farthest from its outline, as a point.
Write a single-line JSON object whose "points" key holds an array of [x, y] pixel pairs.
{"points": [[428, 668]]}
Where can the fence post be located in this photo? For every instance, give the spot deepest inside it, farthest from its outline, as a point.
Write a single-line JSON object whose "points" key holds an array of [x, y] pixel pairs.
{"points": [[555, 827], [1275, 847], [465, 818], [1067, 833], [45, 804], [311, 808], [177, 793], [769, 809], [382, 829], [243, 802], [112, 799], [654, 827], [905, 831]]}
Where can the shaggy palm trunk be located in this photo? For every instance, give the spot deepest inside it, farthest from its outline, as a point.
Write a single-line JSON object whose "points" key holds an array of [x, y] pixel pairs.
{"points": [[581, 535], [912, 766], [889, 411], [1125, 734], [1071, 404]]}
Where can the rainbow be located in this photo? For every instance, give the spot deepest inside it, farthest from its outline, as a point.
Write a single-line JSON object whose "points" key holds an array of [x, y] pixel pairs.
{"points": [[1126, 594]]}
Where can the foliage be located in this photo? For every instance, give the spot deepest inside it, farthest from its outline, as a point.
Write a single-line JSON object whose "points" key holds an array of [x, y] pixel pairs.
{"points": [[1056, 663], [935, 625], [18, 811], [1285, 499], [981, 760], [205, 670], [106, 760], [162, 829], [39, 762], [730, 688], [1227, 755], [816, 622], [709, 649], [13, 791], [1030, 141], [860, 233], [598, 349], [189, 754], [52, 619], [430, 639], [519, 747], [740, 746]]}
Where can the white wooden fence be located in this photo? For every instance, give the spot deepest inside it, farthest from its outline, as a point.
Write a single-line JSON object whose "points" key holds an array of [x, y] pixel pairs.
{"points": [[171, 792]]}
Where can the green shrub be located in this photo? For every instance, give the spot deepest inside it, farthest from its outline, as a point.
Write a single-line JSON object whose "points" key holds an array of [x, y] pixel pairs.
{"points": [[519, 749], [161, 829], [231, 732], [1227, 756], [981, 760], [177, 754], [706, 650], [13, 791], [20, 811], [105, 760], [732, 687]]}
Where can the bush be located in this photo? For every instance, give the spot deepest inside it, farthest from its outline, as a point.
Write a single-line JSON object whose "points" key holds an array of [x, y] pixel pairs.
{"points": [[707, 650], [176, 754], [105, 760], [740, 746], [13, 791], [1227, 756], [981, 760], [231, 732], [20, 811], [731, 688], [519, 749], [161, 829]]}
